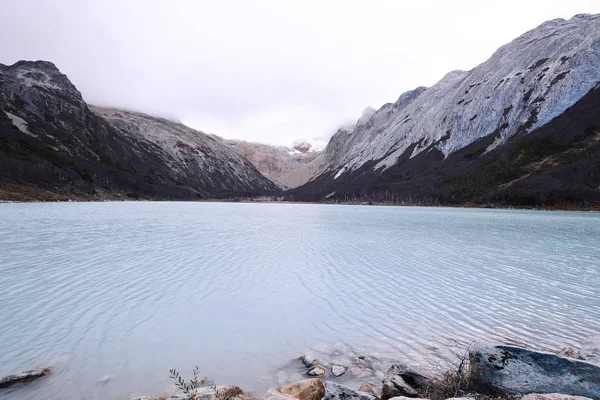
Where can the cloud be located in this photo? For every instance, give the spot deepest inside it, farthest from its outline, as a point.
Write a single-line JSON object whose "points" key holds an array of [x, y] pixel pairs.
{"points": [[268, 71]]}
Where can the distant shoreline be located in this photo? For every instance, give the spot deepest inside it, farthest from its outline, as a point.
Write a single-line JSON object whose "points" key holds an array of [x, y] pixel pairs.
{"points": [[557, 207]]}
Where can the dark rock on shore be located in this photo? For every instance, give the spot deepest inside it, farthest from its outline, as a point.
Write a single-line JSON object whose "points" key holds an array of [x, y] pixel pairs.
{"points": [[335, 391], [401, 380], [515, 370], [23, 376]]}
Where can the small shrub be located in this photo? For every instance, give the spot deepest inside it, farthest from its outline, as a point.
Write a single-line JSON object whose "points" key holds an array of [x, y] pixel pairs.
{"points": [[455, 381], [188, 388]]}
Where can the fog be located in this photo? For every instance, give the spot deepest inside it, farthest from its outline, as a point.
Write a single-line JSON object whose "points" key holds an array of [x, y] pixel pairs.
{"points": [[267, 71]]}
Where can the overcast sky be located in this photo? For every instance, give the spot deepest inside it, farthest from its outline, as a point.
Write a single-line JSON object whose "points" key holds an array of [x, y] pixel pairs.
{"points": [[267, 71]]}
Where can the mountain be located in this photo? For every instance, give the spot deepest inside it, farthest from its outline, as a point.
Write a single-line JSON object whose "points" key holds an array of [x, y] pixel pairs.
{"points": [[521, 128], [54, 146], [288, 167]]}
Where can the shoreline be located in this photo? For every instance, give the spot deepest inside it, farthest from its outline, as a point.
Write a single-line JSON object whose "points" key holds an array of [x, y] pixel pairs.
{"points": [[489, 206], [478, 372]]}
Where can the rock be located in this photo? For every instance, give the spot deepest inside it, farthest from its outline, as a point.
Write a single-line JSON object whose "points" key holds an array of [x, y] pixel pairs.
{"points": [[24, 376], [569, 352], [317, 370], [335, 391], [274, 394], [229, 392], [411, 398], [148, 398], [360, 367], [590, 349], [520, 371], [308, 359], [395, 386], [307, 389], [462, 398], [401, 380], [552, 396], [207, 393], [367, 389], [338, 370]]}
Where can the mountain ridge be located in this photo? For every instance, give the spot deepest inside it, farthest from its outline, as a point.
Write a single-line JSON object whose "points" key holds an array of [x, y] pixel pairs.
{"points": [[518, 128], [522, 87], [52, 140]]}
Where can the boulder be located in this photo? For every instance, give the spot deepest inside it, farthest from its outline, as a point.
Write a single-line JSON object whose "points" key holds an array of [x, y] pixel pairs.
{"points": [[307, 389], [308, 359], [552, 396], [24, 376], [335, 391], [274, 394], [515, 370], [148, 398], [401, 380], [367, 389], [590, 349], [338, 370], [317, 370]]}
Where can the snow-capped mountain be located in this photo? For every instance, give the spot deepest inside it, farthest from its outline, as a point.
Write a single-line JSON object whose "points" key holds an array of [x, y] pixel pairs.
{"points": [[308, 146], [51, 140], [288, 167], [524, 85]]}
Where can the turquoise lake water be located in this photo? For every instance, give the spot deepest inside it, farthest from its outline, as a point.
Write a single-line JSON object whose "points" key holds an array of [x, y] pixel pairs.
{"points": [[126, 291]]}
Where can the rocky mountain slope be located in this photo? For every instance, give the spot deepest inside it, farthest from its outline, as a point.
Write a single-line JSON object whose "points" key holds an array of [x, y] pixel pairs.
{"points": [[53, 145], [527, 118], [288, 167]]}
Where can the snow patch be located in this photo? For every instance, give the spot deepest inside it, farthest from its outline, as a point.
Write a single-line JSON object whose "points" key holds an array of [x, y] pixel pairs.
{"points": [[341, 171], [19, 123], [497, 142]]}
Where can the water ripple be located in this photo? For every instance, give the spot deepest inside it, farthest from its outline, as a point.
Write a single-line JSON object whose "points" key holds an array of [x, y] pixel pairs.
{"points": [[133, 289]]}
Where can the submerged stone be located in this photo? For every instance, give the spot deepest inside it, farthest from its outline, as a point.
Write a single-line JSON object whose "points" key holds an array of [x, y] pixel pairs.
{"points": [[367, 389], [308, 359], [338, 370], [317, 370], [23, 376]]}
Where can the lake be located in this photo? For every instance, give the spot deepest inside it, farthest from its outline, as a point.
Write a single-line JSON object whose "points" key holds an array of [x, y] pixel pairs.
{"points": [[126, 291]]}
